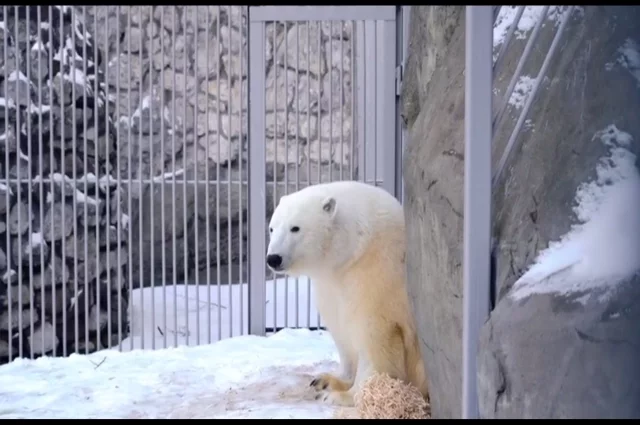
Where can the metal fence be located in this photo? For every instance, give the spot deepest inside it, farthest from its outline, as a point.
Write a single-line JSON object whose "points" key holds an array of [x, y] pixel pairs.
{"points": [[145, 147], [481, 124]]}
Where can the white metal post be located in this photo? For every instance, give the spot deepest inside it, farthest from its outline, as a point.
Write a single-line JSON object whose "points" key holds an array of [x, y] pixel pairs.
{"points": [[257, 183], [477, 193]]}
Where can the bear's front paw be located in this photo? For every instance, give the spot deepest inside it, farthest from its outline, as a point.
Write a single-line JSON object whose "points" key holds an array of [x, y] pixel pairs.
{"points": [[322, 382], [326, 381]]}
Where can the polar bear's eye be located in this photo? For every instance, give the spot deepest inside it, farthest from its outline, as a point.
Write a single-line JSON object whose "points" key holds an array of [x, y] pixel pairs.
{"points": [[295, 229], [270, 229]]}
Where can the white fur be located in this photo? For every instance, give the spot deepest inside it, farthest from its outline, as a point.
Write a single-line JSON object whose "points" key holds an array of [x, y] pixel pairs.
{"points": [[351, 243]]}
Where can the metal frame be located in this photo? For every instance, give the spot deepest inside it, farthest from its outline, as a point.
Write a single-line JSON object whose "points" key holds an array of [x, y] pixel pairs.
{"points": [[376, 86], [378, 140], [257, 182], [322, 13], [401, 131], [477, 193]]}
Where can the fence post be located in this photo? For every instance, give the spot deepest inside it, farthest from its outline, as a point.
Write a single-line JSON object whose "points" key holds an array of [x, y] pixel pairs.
{"points": [[257, 178], [403, 45], [477, 193]]}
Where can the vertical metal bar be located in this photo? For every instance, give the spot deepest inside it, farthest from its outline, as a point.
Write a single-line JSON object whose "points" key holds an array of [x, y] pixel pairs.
{"points": [[477, 192], [85, 168], [20, 239], [341, 70], [401, 28], [329, 55], [297, 94], [309, 154], [174, 273], [273, 276], [532, 94], [63, 226], [8, 190], [208, 180], [406, 19], [152, 191], [119, 203], [257, 189], [379, 119], [369, 109], [108, 193], [163, 184], [96, 64], [130, 187], [387, 137], [318, 25], [365, 102], [219, 124], [353, 156], [141, 282], [319, 121], [51, 184], [196, 186], [74, 155], [229, 229], [241, 284], [41, 185], [286, 161], [30, 200], [361, 106], [185, 220]]}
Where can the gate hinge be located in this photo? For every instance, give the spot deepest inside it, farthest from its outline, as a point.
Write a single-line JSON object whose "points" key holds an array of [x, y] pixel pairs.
{"points": [[399, 72]]}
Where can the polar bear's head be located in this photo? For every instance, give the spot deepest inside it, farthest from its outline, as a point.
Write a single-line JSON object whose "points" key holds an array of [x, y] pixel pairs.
{"points": [[301, 231]]}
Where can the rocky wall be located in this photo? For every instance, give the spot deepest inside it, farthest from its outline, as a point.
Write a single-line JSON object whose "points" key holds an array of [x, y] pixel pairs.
{"points": [[63, 267]]}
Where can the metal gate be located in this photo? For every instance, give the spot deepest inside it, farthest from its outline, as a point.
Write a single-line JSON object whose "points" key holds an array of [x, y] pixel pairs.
{"points": [[145, 147], [371, 138]]}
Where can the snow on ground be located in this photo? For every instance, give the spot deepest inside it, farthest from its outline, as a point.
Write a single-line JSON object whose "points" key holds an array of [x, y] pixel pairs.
{"points": [[240, 377], [604, 248]]}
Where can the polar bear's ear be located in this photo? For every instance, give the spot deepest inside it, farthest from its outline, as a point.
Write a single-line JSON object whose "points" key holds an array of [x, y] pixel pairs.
{"points": [[329, 205]]}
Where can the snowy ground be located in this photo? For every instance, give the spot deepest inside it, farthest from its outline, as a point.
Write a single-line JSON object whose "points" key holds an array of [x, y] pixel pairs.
{"points": [[240, 377]]}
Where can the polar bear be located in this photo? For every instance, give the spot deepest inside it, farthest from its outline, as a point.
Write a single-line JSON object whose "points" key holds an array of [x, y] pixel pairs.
{"points": [[349, 238]]}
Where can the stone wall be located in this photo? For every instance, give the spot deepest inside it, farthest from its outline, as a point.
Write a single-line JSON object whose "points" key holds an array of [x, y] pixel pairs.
{"points": [[567, 347], [62, 265], [179, 79]]}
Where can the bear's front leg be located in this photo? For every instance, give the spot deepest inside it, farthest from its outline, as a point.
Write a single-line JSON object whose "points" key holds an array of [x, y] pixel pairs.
{"points": [[343, 381]]}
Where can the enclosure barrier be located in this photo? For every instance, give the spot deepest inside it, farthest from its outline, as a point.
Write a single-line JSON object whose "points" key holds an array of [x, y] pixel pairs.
{"points": [[144, 148], [374, 97], [480, 126]]}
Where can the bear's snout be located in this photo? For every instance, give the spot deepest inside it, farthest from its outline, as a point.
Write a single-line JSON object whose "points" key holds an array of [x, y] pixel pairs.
{"points": [[274, 261]]}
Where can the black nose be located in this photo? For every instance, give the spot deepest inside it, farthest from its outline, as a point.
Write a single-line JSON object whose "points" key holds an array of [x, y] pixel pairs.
{"points": [[274, 261]]}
